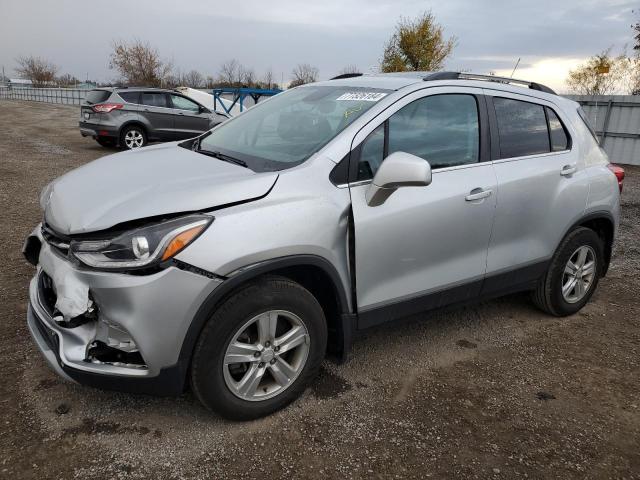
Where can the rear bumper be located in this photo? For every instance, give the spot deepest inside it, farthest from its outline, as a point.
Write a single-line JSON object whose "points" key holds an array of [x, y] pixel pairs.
{"points": [[94, 130]]}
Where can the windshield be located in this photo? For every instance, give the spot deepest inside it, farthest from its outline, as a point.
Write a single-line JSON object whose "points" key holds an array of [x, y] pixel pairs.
{"points": [[289, 128]]}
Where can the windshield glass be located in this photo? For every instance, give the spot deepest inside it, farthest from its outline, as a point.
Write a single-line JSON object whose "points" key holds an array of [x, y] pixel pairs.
{"points": [[289, 128]]}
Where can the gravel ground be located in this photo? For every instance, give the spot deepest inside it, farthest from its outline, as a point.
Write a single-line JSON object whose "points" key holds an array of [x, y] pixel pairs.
{"points": [[497, 390]]}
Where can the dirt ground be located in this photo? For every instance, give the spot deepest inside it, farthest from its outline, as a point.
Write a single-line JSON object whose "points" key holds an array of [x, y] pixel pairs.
{"points": [[497, 390]]}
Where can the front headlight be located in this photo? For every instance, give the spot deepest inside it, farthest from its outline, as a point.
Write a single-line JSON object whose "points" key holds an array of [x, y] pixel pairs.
{"points": [[143, 246]]}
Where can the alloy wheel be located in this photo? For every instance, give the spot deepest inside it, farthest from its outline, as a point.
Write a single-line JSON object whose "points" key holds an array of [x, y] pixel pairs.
{"points": [[579, 274], [134, 139], [266, 355]]}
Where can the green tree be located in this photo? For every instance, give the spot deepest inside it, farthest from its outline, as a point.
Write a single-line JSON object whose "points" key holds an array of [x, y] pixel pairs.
{"points": [[417, 45]]}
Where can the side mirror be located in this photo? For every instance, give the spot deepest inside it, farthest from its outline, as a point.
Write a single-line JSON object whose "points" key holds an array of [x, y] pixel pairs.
{"points": [[204, 109], [400, 169]]}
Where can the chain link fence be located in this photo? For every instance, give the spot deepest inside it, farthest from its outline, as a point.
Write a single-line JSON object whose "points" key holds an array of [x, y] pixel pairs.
{"points": [[65, 96]]}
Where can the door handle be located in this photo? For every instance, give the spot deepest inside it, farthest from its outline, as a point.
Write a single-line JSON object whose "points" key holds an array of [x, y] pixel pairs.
{"points": [[568, 170], [478, 194]]}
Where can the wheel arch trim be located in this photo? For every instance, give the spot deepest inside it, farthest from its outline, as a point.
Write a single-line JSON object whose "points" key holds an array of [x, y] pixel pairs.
{"points": [[250, 272], [597, 215]]}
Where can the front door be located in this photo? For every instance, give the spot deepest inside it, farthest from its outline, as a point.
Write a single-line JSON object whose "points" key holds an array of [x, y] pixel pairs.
{"points": [[425, 246], [189, 120]]}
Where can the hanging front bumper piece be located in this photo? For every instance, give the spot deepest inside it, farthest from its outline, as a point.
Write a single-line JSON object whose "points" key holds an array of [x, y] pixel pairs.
{"points": [[112, 330]]}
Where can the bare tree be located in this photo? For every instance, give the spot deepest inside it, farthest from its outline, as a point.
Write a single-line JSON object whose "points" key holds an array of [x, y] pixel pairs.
{"points": [[229, 72], [349, 69], [602, 74], [416, 45], [267, 79], [38, 70], [139, 64], [246, 76], [303, 73], [193, 79], [210, 82], [67, 80]]}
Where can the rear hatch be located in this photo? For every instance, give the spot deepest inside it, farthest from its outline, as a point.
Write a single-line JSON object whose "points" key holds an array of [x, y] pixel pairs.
{"points": [[87, 114]]}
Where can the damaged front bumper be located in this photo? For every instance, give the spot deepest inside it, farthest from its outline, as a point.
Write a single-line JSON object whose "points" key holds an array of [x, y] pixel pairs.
{"points": [[131, 334]]}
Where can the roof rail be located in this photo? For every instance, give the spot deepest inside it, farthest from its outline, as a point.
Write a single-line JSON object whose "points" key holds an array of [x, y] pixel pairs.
{"points": [[490, 78], [346, 75]]}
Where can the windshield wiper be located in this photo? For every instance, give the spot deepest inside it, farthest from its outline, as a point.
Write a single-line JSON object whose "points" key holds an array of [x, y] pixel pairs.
{"points": [[223, 157]]}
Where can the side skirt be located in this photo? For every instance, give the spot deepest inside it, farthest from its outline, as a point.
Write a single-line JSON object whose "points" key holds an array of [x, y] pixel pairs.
{"points": [[496, 285]]}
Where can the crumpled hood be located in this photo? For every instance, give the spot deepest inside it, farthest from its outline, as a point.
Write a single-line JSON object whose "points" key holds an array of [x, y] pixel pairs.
{"points": [[152, 181]]}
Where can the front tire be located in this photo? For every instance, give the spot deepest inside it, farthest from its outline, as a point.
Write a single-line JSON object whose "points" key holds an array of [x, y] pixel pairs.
{"points": [[133, 137], [573, 274], [260, 349]]}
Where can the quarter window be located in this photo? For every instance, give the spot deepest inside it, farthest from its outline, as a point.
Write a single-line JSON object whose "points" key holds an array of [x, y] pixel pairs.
{"points": [[522, 128], [130, 97], [442, 129], [154, 99]]}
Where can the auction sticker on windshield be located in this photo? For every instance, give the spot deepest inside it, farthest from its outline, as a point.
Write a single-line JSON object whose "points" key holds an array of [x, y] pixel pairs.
{"points": [[362, 96]]}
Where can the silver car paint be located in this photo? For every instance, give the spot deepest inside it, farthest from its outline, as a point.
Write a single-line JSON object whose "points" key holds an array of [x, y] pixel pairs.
{"points": [[304, 213], [534, 195], [156, 310], [144, 183]]}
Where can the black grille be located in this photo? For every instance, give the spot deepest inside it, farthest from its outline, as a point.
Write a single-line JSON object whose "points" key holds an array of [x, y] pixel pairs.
{"points": [[56, 240], [46, 293], [49, 335]]}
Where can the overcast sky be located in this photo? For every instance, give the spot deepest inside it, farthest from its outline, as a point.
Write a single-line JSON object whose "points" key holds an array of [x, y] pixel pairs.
{"points": [[551, 36]]}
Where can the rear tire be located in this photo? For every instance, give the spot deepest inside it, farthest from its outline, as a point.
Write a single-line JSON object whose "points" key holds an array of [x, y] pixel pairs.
{"points": [[133, 137], [572, 276], [238, 344]]}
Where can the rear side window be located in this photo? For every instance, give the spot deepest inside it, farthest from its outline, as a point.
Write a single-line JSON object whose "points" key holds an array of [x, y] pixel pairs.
{"points": [[587, 123], [130, 97], [522, 128], [97, 96], [557, 133], [154, 99]]}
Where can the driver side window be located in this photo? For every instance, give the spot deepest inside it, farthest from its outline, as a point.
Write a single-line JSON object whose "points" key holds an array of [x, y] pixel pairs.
{"points": [[442, 129], [182, 103]]}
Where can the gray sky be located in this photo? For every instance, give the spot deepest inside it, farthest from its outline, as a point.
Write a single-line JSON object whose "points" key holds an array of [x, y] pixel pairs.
{"points": [[551, 36]]}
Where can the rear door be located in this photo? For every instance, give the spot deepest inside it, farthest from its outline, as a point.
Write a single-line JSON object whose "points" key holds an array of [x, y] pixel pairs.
{"points": [[425, 246], [542, 186], [156, 110], [189, 121]]}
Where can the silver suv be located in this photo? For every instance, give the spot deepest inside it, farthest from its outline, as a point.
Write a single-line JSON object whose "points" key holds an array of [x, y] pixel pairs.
{"points": [[132, 117], [236, 261]]}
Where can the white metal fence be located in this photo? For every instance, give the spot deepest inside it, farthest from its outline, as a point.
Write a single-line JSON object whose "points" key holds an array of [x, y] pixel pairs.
{"points": [[67, 96], [616, 120]]}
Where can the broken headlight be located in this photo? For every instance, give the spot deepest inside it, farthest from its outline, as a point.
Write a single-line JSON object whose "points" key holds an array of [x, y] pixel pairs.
{"points": [[142, 247]]}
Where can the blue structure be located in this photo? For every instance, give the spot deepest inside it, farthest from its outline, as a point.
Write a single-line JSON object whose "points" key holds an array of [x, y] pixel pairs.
{"points": [[239, 95]]}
